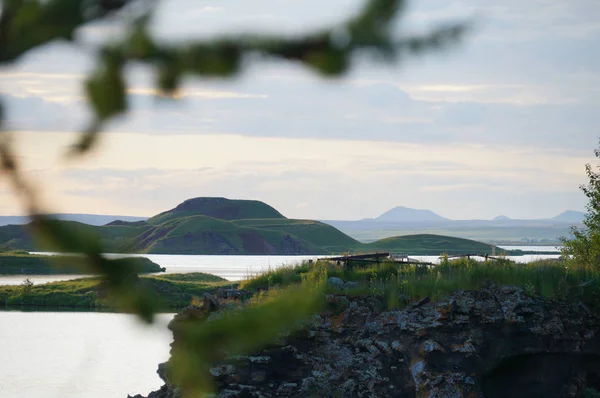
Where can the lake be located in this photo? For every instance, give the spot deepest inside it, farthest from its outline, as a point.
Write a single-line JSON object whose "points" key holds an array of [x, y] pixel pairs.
{"points": [[78, 354]]}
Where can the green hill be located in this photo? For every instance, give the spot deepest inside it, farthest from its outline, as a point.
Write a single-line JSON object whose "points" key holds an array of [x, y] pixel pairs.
{"points": [[23, 263], [315, 232], [427, 244], [207, 235], [221, 208], [111, 236]]}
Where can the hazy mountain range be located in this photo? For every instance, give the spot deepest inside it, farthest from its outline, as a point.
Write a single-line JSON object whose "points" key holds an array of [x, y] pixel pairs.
{"points": [[407, 215], [501, 229]]}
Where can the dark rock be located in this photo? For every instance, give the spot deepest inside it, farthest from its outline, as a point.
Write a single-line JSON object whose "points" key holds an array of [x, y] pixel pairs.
{"points": [[210, 303], [489, 343], [232, 294]]}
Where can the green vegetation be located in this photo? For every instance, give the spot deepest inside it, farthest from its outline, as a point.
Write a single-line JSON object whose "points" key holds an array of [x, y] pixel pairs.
{"points": [[427, 244], [221, 208], [320, 234], [402, 284], [23, 263], [584, 248], [206, 235], [172, 291]]}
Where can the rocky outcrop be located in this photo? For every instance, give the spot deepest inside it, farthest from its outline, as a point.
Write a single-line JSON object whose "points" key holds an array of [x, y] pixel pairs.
{"points": [[497, 342]]}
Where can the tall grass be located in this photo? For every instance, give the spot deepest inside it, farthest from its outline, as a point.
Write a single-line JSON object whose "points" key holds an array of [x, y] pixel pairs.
{"points": [[402, 283]]}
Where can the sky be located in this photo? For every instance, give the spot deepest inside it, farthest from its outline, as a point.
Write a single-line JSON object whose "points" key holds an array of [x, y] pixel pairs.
{"points": [[501, 124]]}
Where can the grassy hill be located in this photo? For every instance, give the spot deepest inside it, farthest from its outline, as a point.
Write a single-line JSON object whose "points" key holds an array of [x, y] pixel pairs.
{"points": [[427, 244], [220, 208], [110, 236], [315, 232], [207, 235]]}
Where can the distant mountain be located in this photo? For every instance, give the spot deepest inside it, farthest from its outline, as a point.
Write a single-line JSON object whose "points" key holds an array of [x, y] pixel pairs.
{"points": [[500, 218], [571, 216], [90, 219], [406, 214], [219, 208]]}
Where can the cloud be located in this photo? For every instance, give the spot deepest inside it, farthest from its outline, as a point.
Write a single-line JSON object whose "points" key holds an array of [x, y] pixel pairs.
{"points": [[144, 174], [506, 118]]}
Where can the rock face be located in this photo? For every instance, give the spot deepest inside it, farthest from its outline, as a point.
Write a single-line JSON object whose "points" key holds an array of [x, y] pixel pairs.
{"points": [[497, 342]]}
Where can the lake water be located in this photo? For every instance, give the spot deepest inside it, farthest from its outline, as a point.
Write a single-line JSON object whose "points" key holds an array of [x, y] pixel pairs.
{"points": [[533, 248], [77, 354], [103, 355]]}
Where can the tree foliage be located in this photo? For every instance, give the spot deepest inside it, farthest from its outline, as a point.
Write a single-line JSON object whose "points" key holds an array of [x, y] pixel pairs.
{"points": [[28, 24], [584, 247]]}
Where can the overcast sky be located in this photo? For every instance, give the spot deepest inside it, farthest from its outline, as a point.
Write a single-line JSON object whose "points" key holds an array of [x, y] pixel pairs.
{"points": [[500, 124]]}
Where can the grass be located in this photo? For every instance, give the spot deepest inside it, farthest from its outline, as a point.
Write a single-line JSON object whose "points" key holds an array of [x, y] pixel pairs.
{"points": [[429, 244], [401, 284], [221, 208], [174, 291], [315, 232]]}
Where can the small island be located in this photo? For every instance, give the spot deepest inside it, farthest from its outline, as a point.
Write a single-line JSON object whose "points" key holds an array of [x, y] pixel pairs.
{"points": [[20, 262]]}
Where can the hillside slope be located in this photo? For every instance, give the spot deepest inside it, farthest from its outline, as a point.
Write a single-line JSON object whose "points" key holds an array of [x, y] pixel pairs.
{"points": [[207, 235], [315, 232], [221, 208]]}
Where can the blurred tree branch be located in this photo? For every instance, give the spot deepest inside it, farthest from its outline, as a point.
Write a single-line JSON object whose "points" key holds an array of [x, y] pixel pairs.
{"points": [[29, 24]]}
